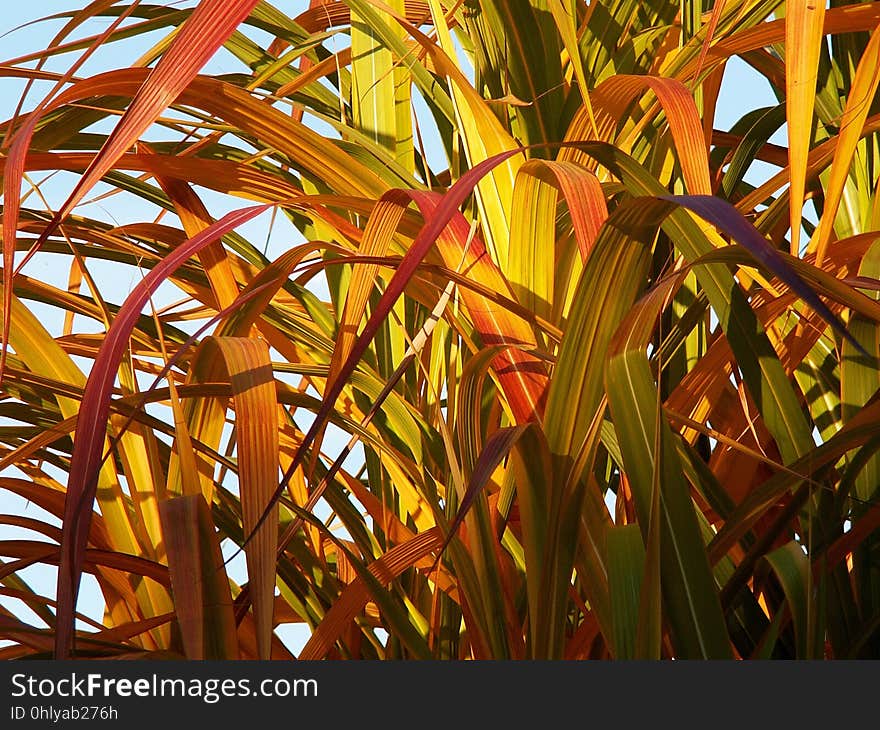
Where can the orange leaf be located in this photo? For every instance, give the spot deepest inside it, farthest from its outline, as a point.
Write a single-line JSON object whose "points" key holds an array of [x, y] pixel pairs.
{"points": [[803, 42], [844, 19], [356, 595], [253, 391], [858, 104], [15, 173], [209, 26], [612, 98]]}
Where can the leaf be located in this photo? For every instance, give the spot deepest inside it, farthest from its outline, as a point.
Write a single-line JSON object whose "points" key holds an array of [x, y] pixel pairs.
{"points": [[689, 592], [575, 406], [94, 558], [202, 601], [859, 381], [531, 272], [357, 593], [753, 140], [626, 568], [482, 137], [517, 51], [616, 93], [225, 176], [803, 43], [381, 225], [565, 15], [494, 452], [858, 104], [532, 465], [210, 24], [380, 87], [86, 457], [792, 567], [195, 218], [249, 370], [723, 215]]}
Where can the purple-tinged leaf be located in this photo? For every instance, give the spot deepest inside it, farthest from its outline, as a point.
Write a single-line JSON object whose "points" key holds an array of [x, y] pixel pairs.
{"points": [[729, 220]]}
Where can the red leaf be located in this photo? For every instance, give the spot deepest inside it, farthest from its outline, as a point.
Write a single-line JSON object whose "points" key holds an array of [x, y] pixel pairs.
{"points": [[91, 428], [444, 214]]}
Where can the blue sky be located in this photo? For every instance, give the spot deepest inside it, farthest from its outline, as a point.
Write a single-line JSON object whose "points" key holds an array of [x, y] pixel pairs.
{"points": [[742, 90]]}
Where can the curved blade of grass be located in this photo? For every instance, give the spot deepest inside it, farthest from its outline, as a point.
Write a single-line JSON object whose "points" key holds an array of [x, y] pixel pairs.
{"points": [[600, 301], [792, 567], [249, 370], [533, 471], [482, 136], [728, 219], [358, 592], [618, 92], [494, 452], [519, 54], [858, 104], [753, 140], [400, 533], [575, 405], [94, 411], [92, 560], [380, 87], [381, 225], [532, 273], [649, 629], [210, 24], [565, 14], [689, 591]]}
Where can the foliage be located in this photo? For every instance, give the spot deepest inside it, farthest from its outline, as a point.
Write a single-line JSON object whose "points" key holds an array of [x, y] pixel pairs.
{"points": [[603, 397]]}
